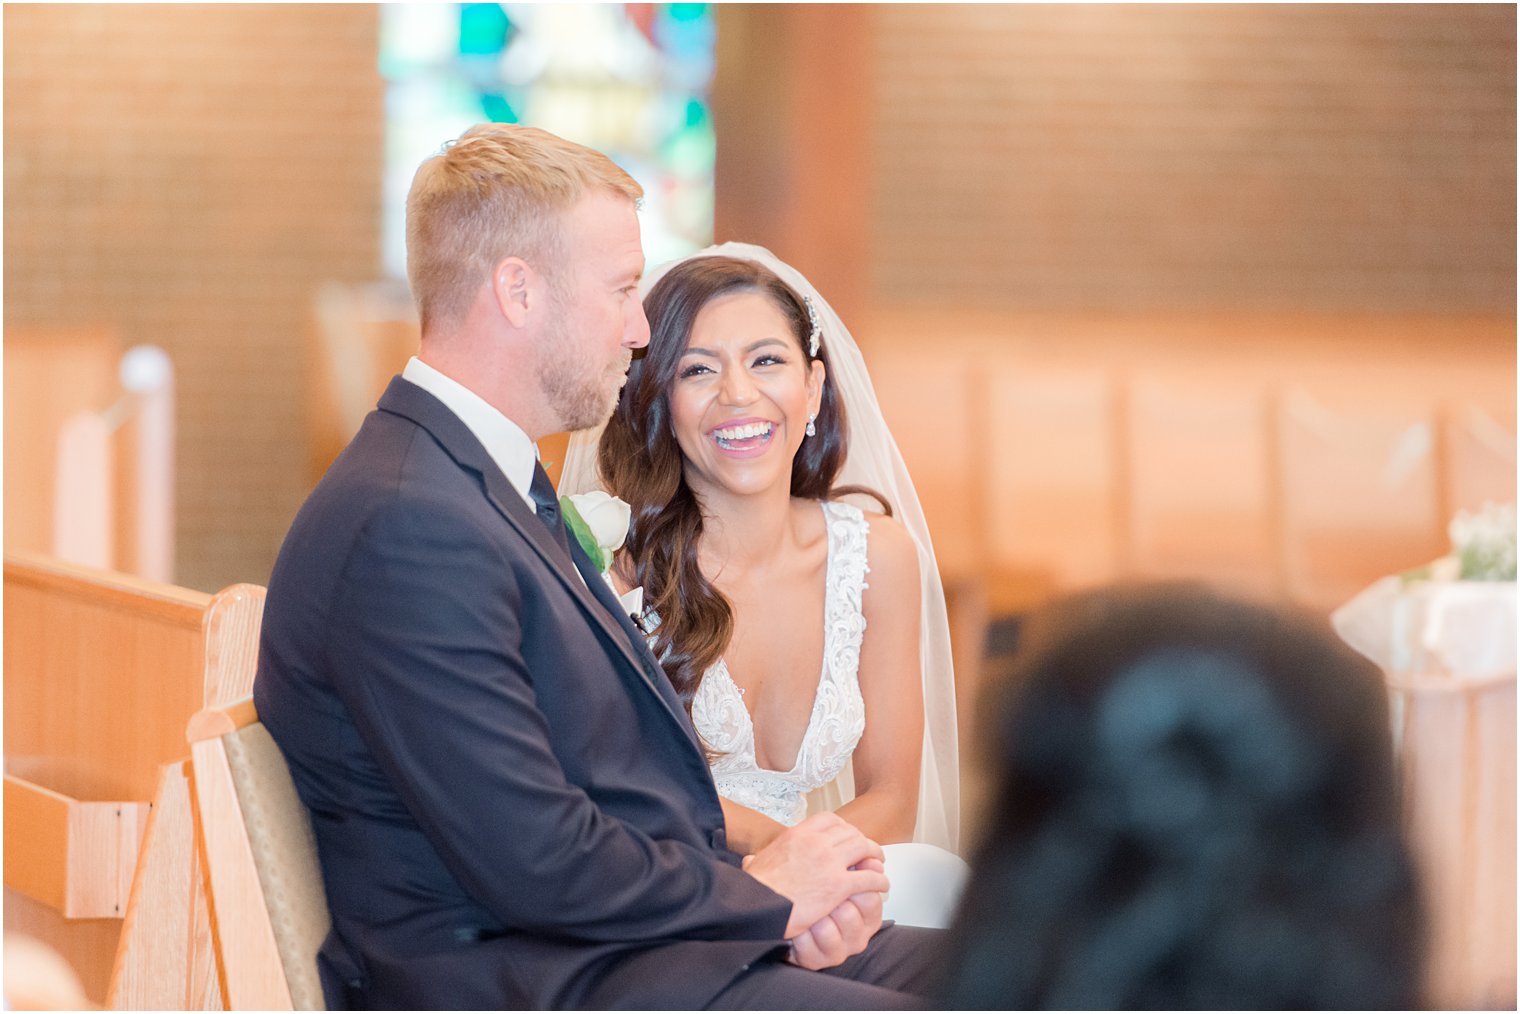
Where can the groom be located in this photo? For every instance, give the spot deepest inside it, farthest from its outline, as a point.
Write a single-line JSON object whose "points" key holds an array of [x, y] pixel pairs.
{"points": [[511, 807]]}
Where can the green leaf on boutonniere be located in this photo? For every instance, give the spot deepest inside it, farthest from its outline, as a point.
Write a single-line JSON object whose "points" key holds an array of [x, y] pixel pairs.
{"points": [[582, 532]]}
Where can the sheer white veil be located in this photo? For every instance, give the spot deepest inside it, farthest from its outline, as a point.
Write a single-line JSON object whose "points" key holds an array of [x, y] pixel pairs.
{"points": [[873, 461]]}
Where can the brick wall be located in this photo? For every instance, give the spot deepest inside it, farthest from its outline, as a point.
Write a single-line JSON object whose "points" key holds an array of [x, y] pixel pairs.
{"points": [[188, 174], [1272, 157]]}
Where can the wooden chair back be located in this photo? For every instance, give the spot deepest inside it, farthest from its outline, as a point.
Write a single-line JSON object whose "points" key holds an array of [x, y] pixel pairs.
{"points": [[930, 406], [362, 336], [1198, 498], [1480, 459], [268, 904], [1360, 500], [1052, 471]]}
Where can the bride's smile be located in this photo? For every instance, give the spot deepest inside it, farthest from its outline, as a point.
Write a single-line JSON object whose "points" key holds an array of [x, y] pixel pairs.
{"points": [[745, 437], [742, 396]]}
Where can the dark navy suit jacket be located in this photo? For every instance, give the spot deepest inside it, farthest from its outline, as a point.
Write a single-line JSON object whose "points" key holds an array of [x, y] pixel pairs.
{"points": [[511, 807]]}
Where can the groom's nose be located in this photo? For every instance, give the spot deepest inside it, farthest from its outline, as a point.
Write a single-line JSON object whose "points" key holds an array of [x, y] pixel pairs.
{"points": [[635, 326]]}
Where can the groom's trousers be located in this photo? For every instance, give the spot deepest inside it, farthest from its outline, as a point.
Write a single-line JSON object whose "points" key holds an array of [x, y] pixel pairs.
{"points": [[894, 973]]}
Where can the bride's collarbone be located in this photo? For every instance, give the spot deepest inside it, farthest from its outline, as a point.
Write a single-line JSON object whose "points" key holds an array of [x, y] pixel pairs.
{"points": [[735, 555], [778, 608], [757, 572]]}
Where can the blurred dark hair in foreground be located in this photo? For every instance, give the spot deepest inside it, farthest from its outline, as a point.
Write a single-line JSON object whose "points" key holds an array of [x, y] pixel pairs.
{"points": [[1194, 806]]}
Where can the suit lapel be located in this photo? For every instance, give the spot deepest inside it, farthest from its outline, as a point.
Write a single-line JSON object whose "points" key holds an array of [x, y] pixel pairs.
{"points": [[576, 573], [654, 676]]}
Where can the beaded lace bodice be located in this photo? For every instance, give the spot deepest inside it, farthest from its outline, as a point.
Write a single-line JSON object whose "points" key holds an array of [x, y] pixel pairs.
{"points": [[838, 717]]}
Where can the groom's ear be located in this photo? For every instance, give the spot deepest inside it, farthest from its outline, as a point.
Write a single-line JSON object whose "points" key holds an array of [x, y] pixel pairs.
{"points": [[513, 284]]}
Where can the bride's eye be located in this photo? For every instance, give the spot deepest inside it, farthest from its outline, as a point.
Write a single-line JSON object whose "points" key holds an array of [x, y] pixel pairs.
{"points": [[694, 370], [770, 359]]}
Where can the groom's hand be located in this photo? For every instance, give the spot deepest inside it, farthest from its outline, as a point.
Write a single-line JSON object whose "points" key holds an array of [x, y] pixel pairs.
{"points": [[843, 933], [817, 866]]}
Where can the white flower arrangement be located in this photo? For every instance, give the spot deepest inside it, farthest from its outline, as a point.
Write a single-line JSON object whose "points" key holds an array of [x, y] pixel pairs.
{"points": [[1482, 547], [1484, 543], [599, 521]]}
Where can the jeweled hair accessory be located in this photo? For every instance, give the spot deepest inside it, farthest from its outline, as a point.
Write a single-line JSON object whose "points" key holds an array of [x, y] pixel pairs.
{"points": [[817, 331]]}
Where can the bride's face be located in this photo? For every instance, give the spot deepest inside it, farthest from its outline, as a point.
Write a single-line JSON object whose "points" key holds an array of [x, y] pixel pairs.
{"points": [[740, 401]]}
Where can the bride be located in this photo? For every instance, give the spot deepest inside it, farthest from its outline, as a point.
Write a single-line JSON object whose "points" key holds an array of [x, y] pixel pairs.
{"points": [[791, 590]]}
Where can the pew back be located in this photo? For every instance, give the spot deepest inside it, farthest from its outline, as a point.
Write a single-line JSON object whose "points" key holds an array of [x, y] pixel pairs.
{"points": [[101, 673], [89, 458], [269, 906], [50, 375]]}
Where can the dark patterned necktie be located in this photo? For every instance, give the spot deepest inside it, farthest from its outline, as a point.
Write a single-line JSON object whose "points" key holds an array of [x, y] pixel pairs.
{"points": [[547, 505]]}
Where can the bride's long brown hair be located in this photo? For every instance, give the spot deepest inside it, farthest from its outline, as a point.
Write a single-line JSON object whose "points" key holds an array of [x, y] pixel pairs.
{"points": [[639, 460]]}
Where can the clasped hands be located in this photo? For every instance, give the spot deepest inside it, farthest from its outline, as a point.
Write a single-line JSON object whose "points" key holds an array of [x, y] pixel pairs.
{"points": [[834, 877]]}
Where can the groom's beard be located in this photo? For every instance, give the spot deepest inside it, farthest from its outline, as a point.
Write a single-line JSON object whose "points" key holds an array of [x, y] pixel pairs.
{"points": [[579, 399]]}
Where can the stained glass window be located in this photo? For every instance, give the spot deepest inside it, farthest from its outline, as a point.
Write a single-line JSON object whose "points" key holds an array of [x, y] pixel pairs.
{"points": [[631, 80]]}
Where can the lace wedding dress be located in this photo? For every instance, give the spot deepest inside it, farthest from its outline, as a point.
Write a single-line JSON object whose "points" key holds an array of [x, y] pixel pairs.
{"points": [[839, 715], [926, 880]]}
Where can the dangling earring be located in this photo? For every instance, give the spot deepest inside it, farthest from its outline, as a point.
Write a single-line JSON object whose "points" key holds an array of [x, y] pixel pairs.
{"points": [[812, 430]]}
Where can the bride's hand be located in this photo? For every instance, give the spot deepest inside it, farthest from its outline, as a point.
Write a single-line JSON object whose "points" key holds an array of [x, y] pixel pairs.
{"points": [[844, 932], [840, 935], [818, 865]]}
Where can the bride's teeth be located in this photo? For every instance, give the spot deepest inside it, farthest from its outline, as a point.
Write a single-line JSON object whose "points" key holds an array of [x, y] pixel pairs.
{"points": [[744, 432], [737, 434]]}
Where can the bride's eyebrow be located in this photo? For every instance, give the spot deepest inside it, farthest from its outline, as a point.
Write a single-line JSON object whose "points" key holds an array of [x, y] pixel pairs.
{"points": [[693, 350]]}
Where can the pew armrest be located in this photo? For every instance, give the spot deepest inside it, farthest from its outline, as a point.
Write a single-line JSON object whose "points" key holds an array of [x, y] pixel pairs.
{"points": [[211, 723], [73, 855]]}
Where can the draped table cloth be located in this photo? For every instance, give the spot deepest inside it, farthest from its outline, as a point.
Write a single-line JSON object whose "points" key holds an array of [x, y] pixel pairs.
{"points": [[1448, 651]]}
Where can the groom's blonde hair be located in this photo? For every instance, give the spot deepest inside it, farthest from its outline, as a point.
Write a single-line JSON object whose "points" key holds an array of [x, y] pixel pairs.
{"points": [[496, 192]]}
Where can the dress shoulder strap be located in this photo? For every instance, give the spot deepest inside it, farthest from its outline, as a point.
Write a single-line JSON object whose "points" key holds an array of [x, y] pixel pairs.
{"points": [[848, 531]]}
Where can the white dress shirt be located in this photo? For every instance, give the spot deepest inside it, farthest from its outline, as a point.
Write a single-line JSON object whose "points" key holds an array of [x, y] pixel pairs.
{"points": [[502, 438]]}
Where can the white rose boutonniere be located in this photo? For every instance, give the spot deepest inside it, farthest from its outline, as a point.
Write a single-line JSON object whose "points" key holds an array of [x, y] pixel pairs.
{"points": [[599, 521]]}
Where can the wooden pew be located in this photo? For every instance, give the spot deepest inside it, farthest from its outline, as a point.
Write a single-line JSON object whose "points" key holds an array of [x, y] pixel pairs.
{"points": [[89, 450], [50, 375], [102, 672]]}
